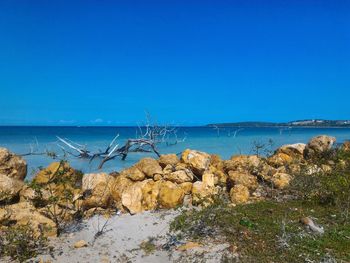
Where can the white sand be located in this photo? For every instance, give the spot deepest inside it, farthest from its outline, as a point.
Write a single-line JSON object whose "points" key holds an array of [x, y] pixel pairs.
{"points": [[121, 242]]}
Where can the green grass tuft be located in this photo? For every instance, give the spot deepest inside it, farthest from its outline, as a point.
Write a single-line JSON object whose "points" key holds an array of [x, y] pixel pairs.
{"points": [[270, 231]]}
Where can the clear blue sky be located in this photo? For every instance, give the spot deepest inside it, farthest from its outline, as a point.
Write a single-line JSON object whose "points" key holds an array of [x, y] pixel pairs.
{"points": [[186, 62]]}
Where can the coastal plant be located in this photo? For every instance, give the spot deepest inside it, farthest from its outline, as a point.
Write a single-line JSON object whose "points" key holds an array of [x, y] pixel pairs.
{"points": [[330, 184], [269, 231], [56, 197], [148, 246], [262, 148], [101, 229], [335, 189], [20, 243]]}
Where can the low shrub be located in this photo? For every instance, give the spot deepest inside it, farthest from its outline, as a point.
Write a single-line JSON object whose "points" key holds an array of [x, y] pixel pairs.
{"points": [[19, 243], [326, 186]]}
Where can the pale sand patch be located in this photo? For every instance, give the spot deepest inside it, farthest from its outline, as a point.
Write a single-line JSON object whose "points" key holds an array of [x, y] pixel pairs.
{"points": [[121, 242]]}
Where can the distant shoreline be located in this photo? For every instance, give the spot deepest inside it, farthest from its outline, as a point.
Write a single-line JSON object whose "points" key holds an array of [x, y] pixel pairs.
{"points": [[287, 127], [308, 123], [199, 126]]}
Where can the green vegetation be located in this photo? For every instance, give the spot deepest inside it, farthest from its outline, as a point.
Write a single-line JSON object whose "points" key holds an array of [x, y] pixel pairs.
{"points": [[53, 194], [148, 246], [271, 231], [19, 243], [330, 185], [56, 194]]}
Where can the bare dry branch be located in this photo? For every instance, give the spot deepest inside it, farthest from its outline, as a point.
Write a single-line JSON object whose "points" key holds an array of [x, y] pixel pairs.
{"points": [[147, 138]]}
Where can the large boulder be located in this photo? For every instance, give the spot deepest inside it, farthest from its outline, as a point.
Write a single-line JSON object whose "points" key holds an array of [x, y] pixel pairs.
{"points": [[243, 178], [170, 195], [9, 188], [178, 167], [120, 183], [217, 162], [168, 159], [59, 172], [266, 171], [220, 176], [279, 159], [198, 161], [28, 194], [57, 184], [242, 163], [250, 164], [204, 191], [318, 145], [45, 175], [217, 168], [24, 213], [186, 187], [208, 179], [13, 170], [150, 167], [97, 190], [281, 180], [62, 213], [170, 169], [150, 194], [132, 197], [295, 150], [12, 165], [180, 176], [239, 194], [133, 173]]}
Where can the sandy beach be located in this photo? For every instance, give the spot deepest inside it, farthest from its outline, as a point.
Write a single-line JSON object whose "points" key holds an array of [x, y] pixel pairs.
{"points": [[123, 238]]}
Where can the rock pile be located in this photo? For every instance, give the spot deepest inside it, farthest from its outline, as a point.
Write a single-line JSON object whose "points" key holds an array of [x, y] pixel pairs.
{"points": [[58, 192], [13, 170]]}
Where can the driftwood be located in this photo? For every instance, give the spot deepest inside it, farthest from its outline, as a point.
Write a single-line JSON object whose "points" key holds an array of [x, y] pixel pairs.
{"points": [[83, 152], [217, 128], [176, 141], [147, 139], [237, 131], [34, 150], [229, 133]]}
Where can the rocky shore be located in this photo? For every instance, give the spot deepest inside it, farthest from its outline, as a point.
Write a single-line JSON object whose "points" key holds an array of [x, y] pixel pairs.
{"points": [[59, 196]]}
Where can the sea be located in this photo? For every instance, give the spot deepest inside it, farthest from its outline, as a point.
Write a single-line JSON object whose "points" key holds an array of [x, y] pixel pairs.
{"points": [[224, 142]]}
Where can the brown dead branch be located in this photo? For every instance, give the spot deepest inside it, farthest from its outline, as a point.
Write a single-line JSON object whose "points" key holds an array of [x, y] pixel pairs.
{"points": [[83, 152], [147, 138], [34, 150]]}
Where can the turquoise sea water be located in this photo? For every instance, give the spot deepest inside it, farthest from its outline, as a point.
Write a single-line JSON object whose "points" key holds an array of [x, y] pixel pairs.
{"points": [[226, 144]]}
